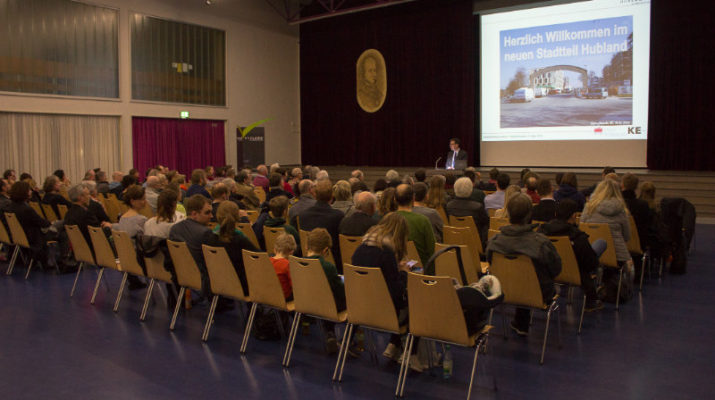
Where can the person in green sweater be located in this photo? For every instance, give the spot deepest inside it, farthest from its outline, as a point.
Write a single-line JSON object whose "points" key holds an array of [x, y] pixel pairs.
{"points": [[419, 226], [277, 213], [319, 243]]}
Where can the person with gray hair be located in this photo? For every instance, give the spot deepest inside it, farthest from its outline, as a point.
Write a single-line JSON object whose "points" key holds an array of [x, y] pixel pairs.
{"points": [[462, 206], [357, 174], [361, 218], [342, 197], [306, 188], [392, 175], [102, 184], [79, 213], [322, 175], [153, 187], [245, 188]]}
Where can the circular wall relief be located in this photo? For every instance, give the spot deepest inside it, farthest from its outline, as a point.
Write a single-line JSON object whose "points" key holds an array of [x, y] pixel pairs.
{"points": [[371, 80]]}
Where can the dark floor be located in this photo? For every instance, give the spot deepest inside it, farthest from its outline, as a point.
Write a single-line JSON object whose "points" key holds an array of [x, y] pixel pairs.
{"points": [[659, 346]]}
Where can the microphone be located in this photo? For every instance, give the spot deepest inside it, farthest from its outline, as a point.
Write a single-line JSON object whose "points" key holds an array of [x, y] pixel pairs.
{"points": [[436, 162]]}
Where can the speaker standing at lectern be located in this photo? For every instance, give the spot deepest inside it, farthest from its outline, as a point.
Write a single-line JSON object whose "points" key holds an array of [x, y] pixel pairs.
{"points": [[456, 158]]}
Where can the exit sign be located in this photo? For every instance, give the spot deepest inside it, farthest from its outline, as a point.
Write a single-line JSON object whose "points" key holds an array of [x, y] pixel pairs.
{"points": [[184, 114]]}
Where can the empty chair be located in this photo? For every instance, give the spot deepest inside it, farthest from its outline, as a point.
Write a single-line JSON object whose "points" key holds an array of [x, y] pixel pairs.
{"points": [[223, 279], [270, 234], [348, 245], [155, 271], [368, 300], [521, 288], [104, 256], [82, 252], [187, 273], [463, 235], [436, 314], [313, 297], [570, 274], [265, 289], [468, 222], [127, 254]]}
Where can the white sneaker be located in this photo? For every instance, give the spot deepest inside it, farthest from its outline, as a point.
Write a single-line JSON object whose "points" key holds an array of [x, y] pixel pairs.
{"points": [[392, 352]]}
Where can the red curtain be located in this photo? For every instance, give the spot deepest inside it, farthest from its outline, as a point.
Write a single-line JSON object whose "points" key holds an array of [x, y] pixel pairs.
{"points": [[178, 144]]}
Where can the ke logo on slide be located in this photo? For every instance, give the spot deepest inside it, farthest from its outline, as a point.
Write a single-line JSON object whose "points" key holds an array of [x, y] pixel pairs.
{"points": [[598, 130]]}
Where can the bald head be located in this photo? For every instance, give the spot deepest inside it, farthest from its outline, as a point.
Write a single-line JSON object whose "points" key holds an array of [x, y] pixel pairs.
{"points": [[304, 186], [404, 195], [153, 182], [365, 202]]}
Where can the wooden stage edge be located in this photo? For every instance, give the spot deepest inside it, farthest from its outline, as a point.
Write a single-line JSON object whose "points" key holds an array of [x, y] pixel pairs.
{"points": [[698, 187]]}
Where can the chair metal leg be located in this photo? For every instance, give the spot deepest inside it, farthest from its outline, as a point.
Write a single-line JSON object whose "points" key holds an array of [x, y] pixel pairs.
{"points": [[546, 332], [643, 267], [480, 340], [96, 285], [13, 260], [142, 317], [121, 291], [583, 309], [402, 365], [76, 278], [247, 331], [291, 336], [179, 302], [291, 341], [29, 268], [209, 319], [405, 363], [618, 292], [343, 352]]}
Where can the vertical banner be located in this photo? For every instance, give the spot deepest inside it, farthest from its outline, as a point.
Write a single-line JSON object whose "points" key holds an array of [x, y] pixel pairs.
{"points": [[251, 148]]}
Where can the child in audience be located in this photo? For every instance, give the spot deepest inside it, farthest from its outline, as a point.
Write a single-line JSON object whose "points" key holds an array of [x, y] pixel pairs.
{"points": [[284, 247]]}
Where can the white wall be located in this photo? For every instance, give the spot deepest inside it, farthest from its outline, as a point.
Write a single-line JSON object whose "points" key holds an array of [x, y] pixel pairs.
{"points": [[262, 75]]}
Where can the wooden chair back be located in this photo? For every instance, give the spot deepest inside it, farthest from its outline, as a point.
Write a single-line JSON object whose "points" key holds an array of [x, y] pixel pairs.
{"points": [[311, 291], [127, 253], [187, 272], [247, 230], [435, 311], [491, 211], [569, 265], [601, 231], [49, 212], [155, 268], [270, 234], [103, 252], [18, 234], [38, 209], [263, 283], [260, 193], [348, 245], [368, 299], [518, 279], [413, 255], [447, 264], [80, 247], [443, 215], [146, 210], [222, 275], [252, 215], [468, 222], [457, 235], [111, 204], [634, 244], [492, 233], [4, 235], [63, 210], [496, 223]]}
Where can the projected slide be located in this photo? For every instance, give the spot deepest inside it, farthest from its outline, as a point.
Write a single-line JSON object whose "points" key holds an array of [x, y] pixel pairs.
{"points": [[567, 72]]}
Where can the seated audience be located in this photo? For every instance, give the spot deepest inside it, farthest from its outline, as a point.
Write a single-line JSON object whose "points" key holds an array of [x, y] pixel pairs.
{"points": [[477, 194], [51, 187], [278, 211], [420, 207], [261, 177], [322, 215], [386, 203], [530, 182], [564, 224], [546, 209], [639, 209], [198, 183], [361, 219], [359, 175], [437, 197], [31, 223], [284, 247], [245, 189], [95, 206], [420, 175], [587, 192], [491, 184], [568, 189], [419, 227], [520, 238], [219, 194], [508, 194], [79, 213], [116, 182], [343, 198], [462, 206], [166, 215], [232, 239], [132, 222], [496, 199], [152, 190], [379, 186], [306, 187], [319, 242], [276, 187], [102, 184]]}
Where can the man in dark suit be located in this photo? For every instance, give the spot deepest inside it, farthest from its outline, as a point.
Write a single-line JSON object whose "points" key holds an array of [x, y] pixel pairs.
{"points": [[456, 158], [79, 213], [322, 215], [360, 220], [546, 209]]}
